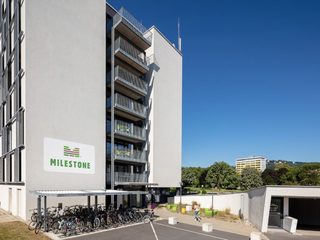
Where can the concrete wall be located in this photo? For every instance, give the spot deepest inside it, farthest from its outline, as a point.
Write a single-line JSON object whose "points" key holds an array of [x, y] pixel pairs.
{"points": [[65, 88], [165, 113], [285, 191], [236, 202], [256, 203]]}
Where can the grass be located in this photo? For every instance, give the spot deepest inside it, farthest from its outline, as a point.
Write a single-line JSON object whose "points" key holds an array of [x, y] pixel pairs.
{"points": [[18, 231]]}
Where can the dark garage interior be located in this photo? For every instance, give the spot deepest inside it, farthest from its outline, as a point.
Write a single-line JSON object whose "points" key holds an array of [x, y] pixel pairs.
{"points": [[307, 211]]}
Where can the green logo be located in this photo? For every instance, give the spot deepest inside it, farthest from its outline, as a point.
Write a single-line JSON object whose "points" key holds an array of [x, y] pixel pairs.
{"points": [[68, 152]]}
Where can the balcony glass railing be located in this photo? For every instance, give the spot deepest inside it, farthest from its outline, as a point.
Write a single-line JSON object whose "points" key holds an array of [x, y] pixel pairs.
{"points": [[130, 50], [130, 79]]}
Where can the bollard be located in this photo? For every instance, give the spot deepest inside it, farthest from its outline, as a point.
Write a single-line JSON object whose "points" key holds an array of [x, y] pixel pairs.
{"points": [[172, 220], [255, 236], [207, 227]]}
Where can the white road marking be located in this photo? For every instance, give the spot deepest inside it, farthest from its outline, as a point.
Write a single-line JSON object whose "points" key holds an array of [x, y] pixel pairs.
{"points": [[154, 232], [203, 234]]}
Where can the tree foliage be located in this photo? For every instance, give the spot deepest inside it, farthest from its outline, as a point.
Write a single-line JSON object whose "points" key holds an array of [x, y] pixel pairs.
{"points": [[250, 178], [284, 174], [193, 176], [309, 174], [221, 175]]}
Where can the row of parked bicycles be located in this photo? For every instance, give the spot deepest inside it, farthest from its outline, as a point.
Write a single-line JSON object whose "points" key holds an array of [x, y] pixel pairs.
{"points": [[79, 219]]}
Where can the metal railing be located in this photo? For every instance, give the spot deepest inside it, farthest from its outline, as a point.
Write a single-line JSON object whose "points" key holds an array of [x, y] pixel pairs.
{"points": [[129, 105], [130, 50], [129, 129], [130, 177], [125, 153], [134, 24], [131, 79]]}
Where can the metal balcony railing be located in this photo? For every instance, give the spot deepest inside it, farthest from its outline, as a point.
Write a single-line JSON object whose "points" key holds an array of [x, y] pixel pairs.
{"points": [[129, 129], [130, 177], [124, 153], [130, 51], [129, 105], [127, 153], [130, 79], [134, 24]]}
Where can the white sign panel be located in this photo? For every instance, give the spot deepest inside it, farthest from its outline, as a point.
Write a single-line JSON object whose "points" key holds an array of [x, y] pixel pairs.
{"points": [[68, 157]]}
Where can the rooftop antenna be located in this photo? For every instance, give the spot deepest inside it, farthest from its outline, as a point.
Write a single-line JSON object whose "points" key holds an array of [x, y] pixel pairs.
{"points": [[179, 35]]}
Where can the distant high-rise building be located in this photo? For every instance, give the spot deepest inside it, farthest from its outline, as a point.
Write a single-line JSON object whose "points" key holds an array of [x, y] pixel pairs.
{"points": [[256, 162]]}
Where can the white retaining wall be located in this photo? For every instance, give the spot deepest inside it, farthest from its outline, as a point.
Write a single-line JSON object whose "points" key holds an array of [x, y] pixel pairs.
{"points": [[236, 202]]}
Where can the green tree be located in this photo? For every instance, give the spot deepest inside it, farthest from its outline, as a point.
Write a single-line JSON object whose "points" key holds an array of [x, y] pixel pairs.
{"points": [[250, 178], [193, 176], [290, 178], [309, 174], [221, 175], [269, 177]]}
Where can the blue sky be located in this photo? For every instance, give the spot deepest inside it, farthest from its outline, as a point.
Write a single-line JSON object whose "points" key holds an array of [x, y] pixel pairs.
{"points": [[251, 76]]}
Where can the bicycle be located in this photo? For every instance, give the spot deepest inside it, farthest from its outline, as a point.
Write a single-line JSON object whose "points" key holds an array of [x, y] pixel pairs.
{"points": [[149, 216]]}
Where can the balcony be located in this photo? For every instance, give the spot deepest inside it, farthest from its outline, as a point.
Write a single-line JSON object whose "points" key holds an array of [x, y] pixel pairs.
{"points": [[128, 82], [129, 155], [130, 27], [124, 178], [127, 131], [130, 54], [128, 108]]}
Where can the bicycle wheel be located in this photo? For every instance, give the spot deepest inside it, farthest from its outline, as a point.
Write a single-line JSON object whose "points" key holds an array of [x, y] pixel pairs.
{"points": [[80, 226], [89, 226], [38, 227], [146, 219], [32, 225], [55, 227], [64, 229], [34, 217], [103, 223], [96, 223]]}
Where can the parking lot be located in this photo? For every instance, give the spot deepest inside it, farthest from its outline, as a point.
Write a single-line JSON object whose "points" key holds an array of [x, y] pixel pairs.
{"points": [[161, 230]]}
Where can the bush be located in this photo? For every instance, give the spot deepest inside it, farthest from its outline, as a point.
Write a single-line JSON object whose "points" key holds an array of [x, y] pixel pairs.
{"points": [[203, 191], [208, 212], [173, 208]]}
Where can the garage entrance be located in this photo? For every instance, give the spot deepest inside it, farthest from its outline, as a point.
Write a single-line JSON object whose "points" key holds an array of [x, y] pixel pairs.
{"points": [[307, 211], [276, 212]]}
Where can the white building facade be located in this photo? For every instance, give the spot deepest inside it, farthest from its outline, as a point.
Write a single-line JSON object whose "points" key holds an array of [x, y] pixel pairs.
{"points": [[54, 111]]}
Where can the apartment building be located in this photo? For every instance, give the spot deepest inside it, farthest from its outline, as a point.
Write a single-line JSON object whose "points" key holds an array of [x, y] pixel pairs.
{"points": [[144, 107], [256, 162], [82, 104]]}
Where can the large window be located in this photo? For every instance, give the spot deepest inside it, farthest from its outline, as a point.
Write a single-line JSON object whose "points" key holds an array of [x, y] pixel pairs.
{"points": [[11, 112]]}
